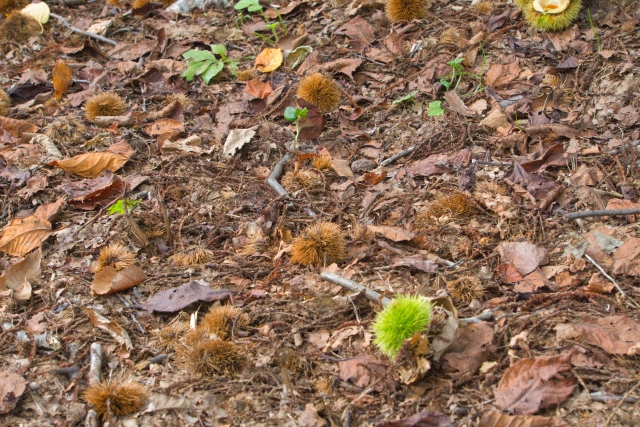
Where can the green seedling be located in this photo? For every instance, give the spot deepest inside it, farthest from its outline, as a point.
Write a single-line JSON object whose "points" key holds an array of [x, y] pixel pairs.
{"points": [[254, 6], [593, 28], [407, 98], [399, 320], [293, 114], [208, 64], [457, 73], [118, 207], [435, 109]]}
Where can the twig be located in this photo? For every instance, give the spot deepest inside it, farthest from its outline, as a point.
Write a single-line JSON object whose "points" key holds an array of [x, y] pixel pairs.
{"points": [[275, 173], [608, 422], [354, 287], [397, 156], [83, 33], [606, 212], [598, 396], [95, 363], [604, 273]]}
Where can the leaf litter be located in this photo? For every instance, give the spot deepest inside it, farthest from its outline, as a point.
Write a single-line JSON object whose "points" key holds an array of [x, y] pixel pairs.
{"points": [[112, 142]]}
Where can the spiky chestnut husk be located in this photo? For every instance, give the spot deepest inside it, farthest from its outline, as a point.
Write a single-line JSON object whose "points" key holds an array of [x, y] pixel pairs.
{"points": [[116, 256], [5, 103], [104, 104], [465, 289], [301, 180], [550, 22], [320, 242], [193, 256], [398, 321], [7, 6], [322, 161], [19, 27], [124, 398], [214, 357], [406, 10], [220, 320], [320, 90], [68, 130]]}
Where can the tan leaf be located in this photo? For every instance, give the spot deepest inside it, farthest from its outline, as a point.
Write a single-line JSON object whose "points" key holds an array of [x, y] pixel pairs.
{"points": [[17, 127], [627, 258], [109, 280], [498, 419], [51, 210], [11, 388], [23, 235], [90, 165], [61, 77], [524, 256], [342, 168], [533, 384], [396, 234], [112, 328], [613, 334], [258, 89], [16, 282], [269, 60]]}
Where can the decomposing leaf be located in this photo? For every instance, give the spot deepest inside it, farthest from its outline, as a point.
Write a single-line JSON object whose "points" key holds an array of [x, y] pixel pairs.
{"points": [[111, 327], [341, 167], [359, 370], [61, 76], [17, 127], [524, 256], [236, 140], [18, 279], [98, 192], [471, 348], [176, 299], [422, 419], [109, 280], [498, 419], [90, 165], [163, 402], [258, 89], [500, 74], [270, 59], [312, 124], [626, 260], [396, 234], [613, 334], [533, 384], [12, 386], [22, 235]]}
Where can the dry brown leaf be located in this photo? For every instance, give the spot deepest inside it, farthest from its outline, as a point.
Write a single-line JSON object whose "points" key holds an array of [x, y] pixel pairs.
{"points": [[61, 77], [109, 280], [258, 89], [23, 235], [111, 327], [524, 256], [613, 334], [533, 384], [90, 165], [471, 348], [422, 419], [531, 282], [341, 167], [396, 234], [498, 419], [11, 388], [500, 74], [17, 280], [17, 127], [358, 370], [51, 210], [626, 260], [269, 60]]}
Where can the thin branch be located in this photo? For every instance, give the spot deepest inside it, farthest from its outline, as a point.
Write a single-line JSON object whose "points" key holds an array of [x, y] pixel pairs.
{"points": [[397, 156], [354, 287], [95, 363], [275, 173], [79, 31], [604, 273], [606, 212]]}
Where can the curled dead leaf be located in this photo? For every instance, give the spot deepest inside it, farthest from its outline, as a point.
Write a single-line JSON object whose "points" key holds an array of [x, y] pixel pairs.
{"points": [[23, 235], [109, 280], [61, 77], [17, 280], [269, 60]]}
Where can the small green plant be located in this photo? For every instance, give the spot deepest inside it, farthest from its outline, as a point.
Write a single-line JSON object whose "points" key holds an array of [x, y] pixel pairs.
{"points": [[208, 64], [118, 207], [406, 98], [399, 320], [435, 109], [457, 72], [593, 28], [293, 114], [254, 6]]}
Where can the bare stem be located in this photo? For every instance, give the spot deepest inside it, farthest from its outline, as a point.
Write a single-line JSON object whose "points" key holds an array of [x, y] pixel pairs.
{"points": [[79, 31]]}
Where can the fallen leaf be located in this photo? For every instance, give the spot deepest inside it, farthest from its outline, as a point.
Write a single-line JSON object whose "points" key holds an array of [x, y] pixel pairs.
{"points": [[61, 76], [236, 140], [533, 384], [359, 369], [19, 277], [498, 419], [500, 74], [90, 165], [37, 323], [269, 60], [175, 299], [341, 167], [626, 260], [11, 388], [258, 89], [17, 127], [98, 192], [531, 282], [417, 262], [422, 419], [22, 235], [109, 280], [471, 348], [613, 334], [111, 327], [346, 66], [311, 126], [524, 256], [396, 234]]}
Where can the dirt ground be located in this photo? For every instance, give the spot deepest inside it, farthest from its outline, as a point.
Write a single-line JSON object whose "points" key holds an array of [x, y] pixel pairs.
{"points": [[496, 149]]}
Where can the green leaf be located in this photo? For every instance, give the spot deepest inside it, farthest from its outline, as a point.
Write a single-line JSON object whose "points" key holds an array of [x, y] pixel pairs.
{"points": [[212, 71], [117, 207], [290, 114], [232, 66], [405, 98], [190, 72], [435, 109], [250, 5], [301, 113], [200, 67], [456, 61], [445, 83], [218, 49], [199, 55]]}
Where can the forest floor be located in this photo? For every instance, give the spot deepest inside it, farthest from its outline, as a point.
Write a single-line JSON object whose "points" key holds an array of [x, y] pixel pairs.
{"points": [[502, 132]]}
